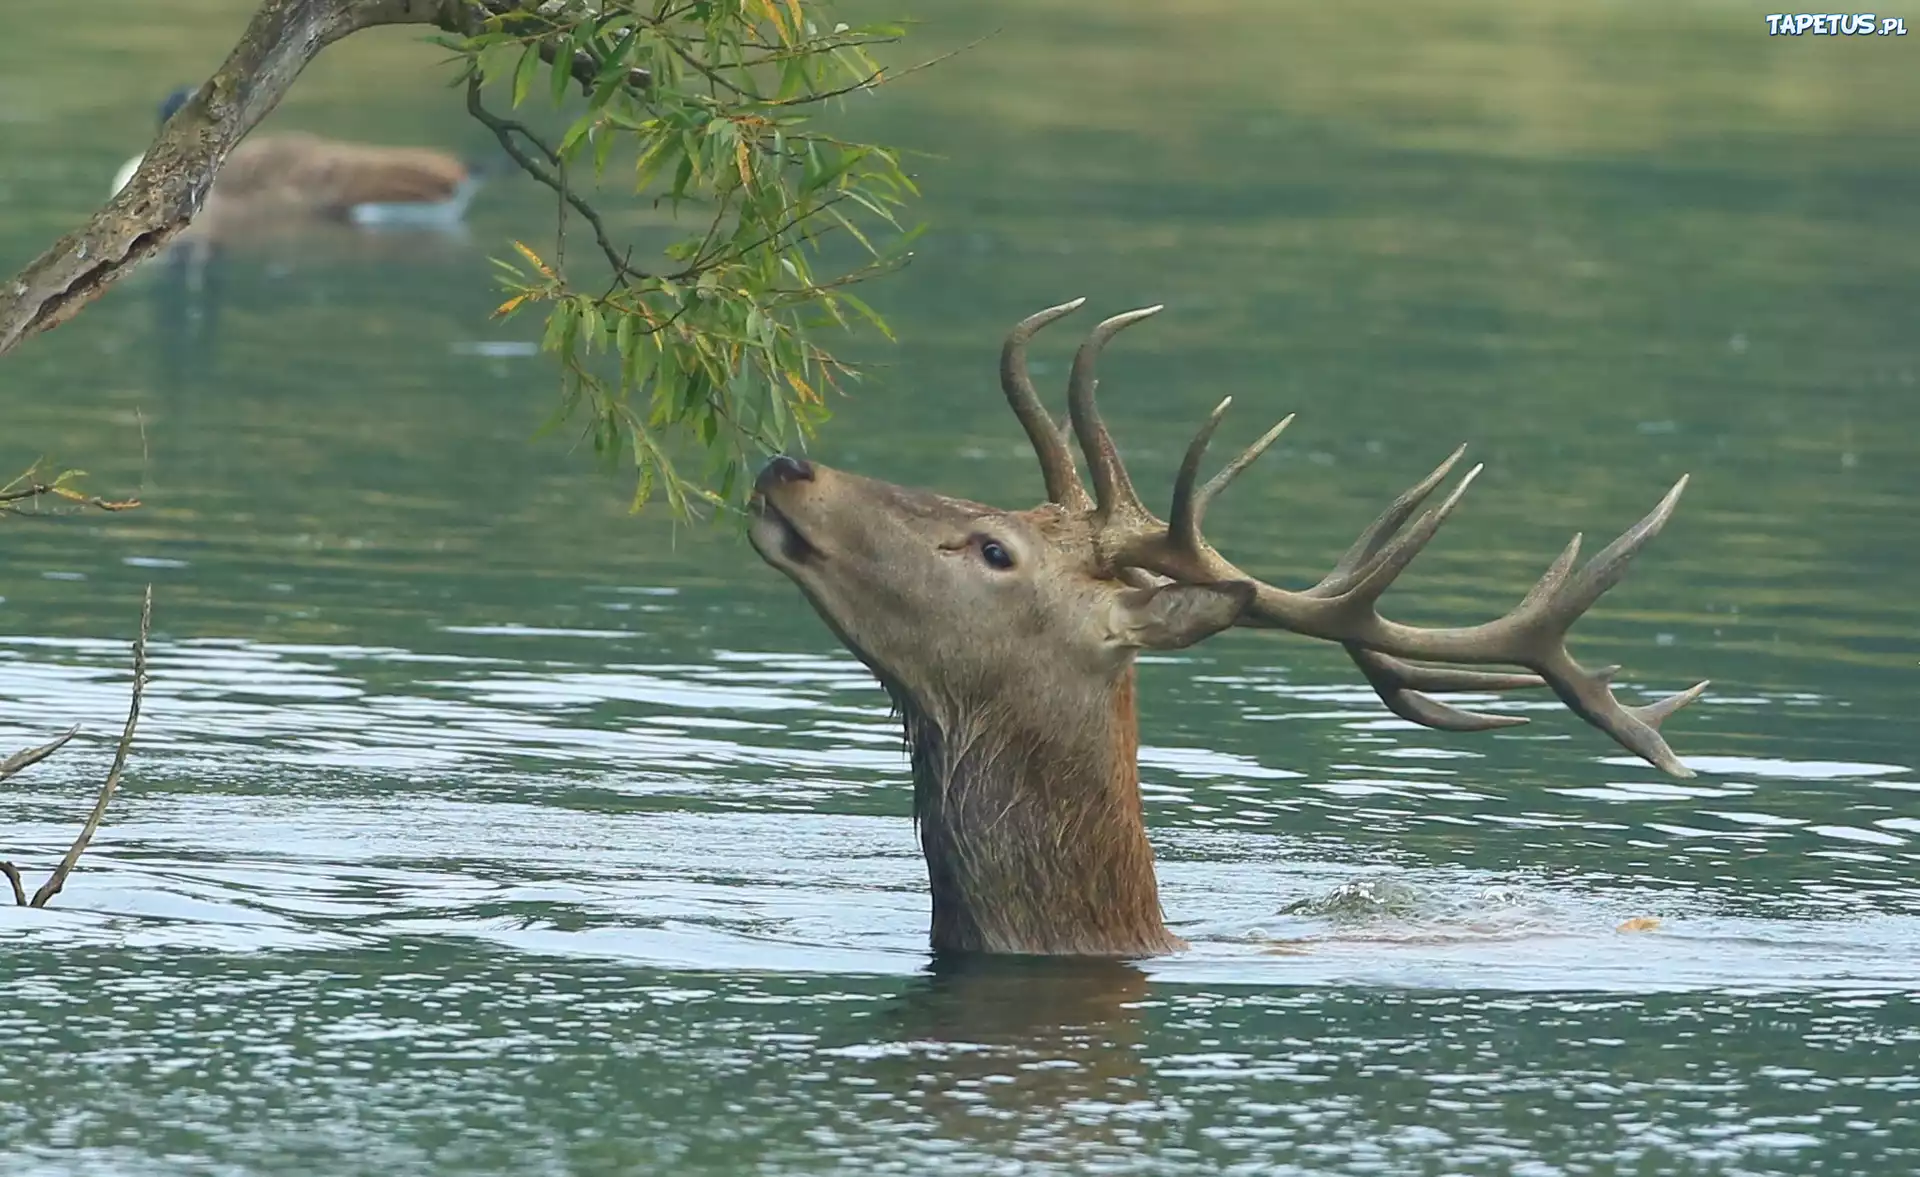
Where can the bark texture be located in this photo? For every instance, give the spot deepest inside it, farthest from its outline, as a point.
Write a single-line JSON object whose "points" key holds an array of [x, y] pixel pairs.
{"points": [[172, 182]]}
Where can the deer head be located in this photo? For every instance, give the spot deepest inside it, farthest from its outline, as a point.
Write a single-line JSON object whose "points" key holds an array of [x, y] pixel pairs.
{"points": [[1006, 640]]}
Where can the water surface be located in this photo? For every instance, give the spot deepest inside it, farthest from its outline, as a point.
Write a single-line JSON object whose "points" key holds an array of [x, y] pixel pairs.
{"points": [[478, 826]]}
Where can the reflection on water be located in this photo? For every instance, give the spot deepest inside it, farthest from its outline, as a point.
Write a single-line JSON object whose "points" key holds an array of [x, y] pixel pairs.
{"points": [[476, 826]]}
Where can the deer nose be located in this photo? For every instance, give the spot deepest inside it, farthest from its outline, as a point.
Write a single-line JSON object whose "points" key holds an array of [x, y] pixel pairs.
{"points": [[784, 469]]}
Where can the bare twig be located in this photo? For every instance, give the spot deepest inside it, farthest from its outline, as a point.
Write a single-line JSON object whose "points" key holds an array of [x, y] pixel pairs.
{"points": [[38, 489], [560, 220], [31, 485], [13, 876], [880, 76], [33, 756], [504, 130], [52, 886], [32, 490]]}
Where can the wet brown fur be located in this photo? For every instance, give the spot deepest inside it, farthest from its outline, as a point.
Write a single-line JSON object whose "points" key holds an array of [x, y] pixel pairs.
{"points": [[1016, 690], [1033, 831]]}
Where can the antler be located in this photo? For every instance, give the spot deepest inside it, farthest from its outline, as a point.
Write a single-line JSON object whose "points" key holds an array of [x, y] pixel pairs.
{"points": [[1049, 442], [1342, 606]]}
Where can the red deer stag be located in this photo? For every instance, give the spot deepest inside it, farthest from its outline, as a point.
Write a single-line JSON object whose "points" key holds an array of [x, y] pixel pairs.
{"points": [[1007, 640]]}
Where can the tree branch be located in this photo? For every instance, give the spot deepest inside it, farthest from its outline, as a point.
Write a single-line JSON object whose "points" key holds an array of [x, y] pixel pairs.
{"points": [[585, 67], [172, 182], [36, 490], [33, 756], [504, 130], [52, 886]]}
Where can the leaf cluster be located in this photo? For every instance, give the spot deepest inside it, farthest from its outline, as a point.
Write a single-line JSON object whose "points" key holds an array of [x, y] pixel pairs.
{"points": [[706, 341]]}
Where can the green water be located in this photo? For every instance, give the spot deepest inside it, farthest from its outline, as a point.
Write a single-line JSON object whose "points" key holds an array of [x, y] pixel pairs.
{"points": [[476, 826]]}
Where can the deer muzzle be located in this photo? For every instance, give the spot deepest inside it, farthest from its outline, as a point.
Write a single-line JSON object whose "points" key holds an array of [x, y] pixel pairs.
{"points": [[773, 532]]}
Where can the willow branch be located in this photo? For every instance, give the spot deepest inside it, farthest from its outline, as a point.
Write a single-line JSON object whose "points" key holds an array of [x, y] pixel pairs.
{"points": [[504, 130]]}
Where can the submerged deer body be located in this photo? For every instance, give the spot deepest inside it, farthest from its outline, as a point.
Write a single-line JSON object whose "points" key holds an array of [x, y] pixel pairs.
{"points": [[1007, 639]]}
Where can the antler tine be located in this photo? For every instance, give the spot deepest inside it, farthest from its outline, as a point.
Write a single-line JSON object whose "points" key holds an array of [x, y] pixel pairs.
{"points": [[1190, 509], [1367, 583], [1231, 470], [1343, 608], [1559, 600], [1057, 468], [1382, 530], [1183, 521], [1605, 569], [1398, 683], [1113, 493], [1534, 634]]}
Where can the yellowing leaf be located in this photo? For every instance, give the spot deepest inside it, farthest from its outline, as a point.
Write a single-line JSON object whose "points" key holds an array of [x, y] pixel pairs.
{"points": [[773, 14], [507, 307], [804, 389], [545, 270], [1639, 923]]}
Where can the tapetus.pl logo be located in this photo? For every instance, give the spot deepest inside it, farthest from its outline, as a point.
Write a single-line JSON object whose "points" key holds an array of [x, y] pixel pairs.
{"points": [[1835, 24]]}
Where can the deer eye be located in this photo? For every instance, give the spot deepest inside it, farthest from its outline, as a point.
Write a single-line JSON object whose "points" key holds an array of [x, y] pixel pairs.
{"points": [[996, 554]]}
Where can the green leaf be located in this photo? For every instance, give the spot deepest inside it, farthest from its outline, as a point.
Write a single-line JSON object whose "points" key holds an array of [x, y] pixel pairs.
{"points": [[639, 363], [523, 73], [578, 131], [602, 148], [589, 324], [559, 324], [623, 336], [682, 176], [562, 71]]}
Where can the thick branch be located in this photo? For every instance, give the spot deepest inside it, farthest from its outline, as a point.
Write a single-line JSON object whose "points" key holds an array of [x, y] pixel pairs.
{"points": [[172, 182]]}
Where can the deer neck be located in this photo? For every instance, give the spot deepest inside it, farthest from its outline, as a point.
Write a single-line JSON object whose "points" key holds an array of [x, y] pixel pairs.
{"points": [[1032, 828]]}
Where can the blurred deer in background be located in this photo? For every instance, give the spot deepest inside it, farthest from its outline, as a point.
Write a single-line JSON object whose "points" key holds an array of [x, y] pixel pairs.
{"points": [[1007, 641]]}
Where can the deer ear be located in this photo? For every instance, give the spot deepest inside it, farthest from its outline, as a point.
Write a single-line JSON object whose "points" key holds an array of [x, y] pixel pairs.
{"points": [[1174, 616]]}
